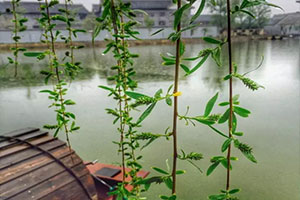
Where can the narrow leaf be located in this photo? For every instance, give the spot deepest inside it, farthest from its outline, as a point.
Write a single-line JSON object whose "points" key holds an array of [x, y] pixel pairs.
{"points": [[199, 11], [199, 64], [226, 144], [160, 170], [156, 32], [135, 95], [146, 113], [210, 104], [212, 168], [33, 54], [212, 40], [224, 117]]}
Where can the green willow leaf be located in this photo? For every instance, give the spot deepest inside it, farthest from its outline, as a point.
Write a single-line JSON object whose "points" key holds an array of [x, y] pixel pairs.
{"points": [[234, 123], [146, 113], [135, 95], [224, 162], [199, 11], [212, 168], [33, 54], [48, 91], [210, 104], [166, 59], [169, 183], [185, 68], [169, 101], [191, 59], [238, 133], [224, 117], [106, 88], [250, 156], [241, 111], [158, 31], [233, 191], [179, 172], [164, 197], [181, 48], [217, 197], [199, 64], [212, 40], [69, 102], [224, 104], [226, 145], [217, 131], [167, 63], [248, 13], [178, 14], [203, 120], [160, 170]]}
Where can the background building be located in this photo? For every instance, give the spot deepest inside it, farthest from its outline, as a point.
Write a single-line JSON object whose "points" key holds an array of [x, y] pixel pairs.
{"points": [[31, 10], [159, 12], [284, 24]]}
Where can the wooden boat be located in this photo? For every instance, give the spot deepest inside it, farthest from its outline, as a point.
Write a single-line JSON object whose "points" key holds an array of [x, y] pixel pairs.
{"points": [[34, 165], [105, 182]]}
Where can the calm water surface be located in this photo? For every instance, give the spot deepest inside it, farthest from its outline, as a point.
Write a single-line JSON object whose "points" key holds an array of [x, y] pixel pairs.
{"points": [[272, 129]]}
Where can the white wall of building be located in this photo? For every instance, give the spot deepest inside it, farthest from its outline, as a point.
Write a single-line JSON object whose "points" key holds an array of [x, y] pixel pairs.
{"points": [[34, 36]]}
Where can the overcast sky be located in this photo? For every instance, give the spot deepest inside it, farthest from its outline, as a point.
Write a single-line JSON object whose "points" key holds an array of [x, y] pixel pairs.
{"points": [[287, 5]]}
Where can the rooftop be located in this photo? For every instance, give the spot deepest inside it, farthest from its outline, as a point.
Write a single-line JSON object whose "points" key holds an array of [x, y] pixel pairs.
{"points": [[285, 19], [33, 7], [150, 4]]}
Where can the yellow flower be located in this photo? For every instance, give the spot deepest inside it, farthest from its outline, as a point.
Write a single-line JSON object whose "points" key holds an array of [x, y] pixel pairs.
{"points": [[176, 94]]}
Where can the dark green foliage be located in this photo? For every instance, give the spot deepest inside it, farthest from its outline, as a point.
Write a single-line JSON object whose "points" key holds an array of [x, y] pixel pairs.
{"points": [[114, 15], [58, 71], [19, 26]]}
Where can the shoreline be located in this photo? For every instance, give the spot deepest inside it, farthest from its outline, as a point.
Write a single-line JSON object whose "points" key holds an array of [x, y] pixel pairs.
{"points": [[148, 42]]}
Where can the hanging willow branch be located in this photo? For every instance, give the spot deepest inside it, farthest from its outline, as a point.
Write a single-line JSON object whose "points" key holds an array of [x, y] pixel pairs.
{"points": [[18, 28]]}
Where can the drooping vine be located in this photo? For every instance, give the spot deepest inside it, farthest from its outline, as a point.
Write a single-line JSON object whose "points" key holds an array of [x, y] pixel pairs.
{"points": [[57, 72], [19, 27], [114, 14], [72, 67], [233, 110], [178, 60]]}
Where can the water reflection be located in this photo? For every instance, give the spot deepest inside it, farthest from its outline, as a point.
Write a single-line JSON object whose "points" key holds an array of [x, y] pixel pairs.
{"points": [[148, 66]]}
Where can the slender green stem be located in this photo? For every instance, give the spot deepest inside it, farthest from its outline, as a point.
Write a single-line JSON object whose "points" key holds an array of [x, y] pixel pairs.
{"points": [[175, 111], [230, 93], [13, 2], [69, 27], [61, 99], [122, 124]]}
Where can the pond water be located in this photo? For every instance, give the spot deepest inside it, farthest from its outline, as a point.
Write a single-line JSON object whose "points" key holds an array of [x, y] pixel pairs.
{"points": [[272, 129]]}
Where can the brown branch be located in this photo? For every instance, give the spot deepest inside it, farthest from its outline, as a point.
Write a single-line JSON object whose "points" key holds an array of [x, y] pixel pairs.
{"points": [[230, 93], [175, 111]]}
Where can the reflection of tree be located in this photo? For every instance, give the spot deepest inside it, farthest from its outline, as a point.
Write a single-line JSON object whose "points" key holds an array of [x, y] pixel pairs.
{"points": [[148, 66]]}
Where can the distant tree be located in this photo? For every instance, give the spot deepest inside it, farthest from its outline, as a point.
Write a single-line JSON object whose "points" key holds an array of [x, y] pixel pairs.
{"points": [[239, 20], [89, 23], [262, 13], [218, 9], [149, 22]]}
